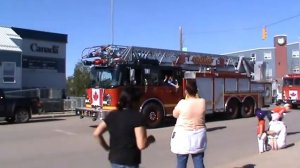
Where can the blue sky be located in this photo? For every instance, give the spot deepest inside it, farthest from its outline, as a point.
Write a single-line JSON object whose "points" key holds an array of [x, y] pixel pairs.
{"points": [[209, 26]]}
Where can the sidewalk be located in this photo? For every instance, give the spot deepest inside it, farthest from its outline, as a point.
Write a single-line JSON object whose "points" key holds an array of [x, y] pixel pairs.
{"points": [[284, 158]]}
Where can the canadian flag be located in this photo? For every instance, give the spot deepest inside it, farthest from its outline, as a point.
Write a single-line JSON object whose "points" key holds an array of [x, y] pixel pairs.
{"points": [[293, 94], [97, 97]]}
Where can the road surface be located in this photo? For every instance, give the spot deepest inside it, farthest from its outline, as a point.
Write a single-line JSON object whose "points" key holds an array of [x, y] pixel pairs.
{"points": [[65, 142]]}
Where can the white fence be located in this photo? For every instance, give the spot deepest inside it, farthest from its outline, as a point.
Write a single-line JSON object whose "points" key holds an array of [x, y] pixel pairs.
{"points": [[52, 99], [73, 102]]}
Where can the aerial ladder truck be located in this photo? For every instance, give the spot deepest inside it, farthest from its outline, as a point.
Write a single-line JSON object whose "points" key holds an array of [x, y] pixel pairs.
{"points": [[226, 82]]}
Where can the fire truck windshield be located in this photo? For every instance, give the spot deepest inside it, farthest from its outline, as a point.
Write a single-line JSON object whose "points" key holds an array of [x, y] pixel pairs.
{"points": [[104, 78], [291, 81], [287, 81]]}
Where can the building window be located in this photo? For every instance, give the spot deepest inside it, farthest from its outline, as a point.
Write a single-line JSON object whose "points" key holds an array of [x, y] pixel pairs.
{"points": [[253, 57], [267, 55], [9, 72], [296, 69], [269, 73], [295, 54]]}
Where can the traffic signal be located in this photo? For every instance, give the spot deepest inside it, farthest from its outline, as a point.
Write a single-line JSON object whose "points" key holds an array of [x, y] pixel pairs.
{"points": [[264, 33]]}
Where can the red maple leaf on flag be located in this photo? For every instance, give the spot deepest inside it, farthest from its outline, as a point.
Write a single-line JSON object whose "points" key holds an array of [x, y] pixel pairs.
{"points": [[95, 96], [293, 94]]}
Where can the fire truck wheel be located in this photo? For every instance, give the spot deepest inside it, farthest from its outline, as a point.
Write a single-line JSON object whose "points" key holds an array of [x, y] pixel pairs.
{"points": [[248, 108], [153, 115], [232, 109]]}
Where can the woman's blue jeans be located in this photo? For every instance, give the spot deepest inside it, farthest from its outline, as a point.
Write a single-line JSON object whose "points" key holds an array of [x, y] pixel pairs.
{"points": [[197, 160], [114, 165]]}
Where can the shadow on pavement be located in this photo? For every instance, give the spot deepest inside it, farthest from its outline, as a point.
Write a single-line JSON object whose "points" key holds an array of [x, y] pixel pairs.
{"points": [[247, 166], [93, 126], [34, 121], [215, 128], [289, 145], [292, 133]]}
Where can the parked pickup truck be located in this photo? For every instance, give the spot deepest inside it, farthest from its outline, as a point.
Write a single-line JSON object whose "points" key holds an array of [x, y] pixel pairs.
{"points": [[18, 109]]}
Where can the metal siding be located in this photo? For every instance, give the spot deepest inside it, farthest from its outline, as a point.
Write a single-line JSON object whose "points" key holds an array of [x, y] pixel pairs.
{"points": [[230, 84], [219, 94], [41, 35], [257, 87], [43, 79], [205, 90], [244, 85], [292, 62], [10, 56]]}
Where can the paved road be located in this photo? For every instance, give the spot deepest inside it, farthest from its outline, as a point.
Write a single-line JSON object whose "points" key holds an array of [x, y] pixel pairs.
{"points": [[66, 142]]}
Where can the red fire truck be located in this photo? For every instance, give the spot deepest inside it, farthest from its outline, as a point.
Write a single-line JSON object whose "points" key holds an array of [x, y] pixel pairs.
{"points": [[291, 89], [224, 81]]}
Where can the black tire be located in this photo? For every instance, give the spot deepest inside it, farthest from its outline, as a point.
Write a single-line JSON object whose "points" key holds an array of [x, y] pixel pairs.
{"points": [[22, 115], [294, 106], [153, 115], [232, 109], [248, 108]]}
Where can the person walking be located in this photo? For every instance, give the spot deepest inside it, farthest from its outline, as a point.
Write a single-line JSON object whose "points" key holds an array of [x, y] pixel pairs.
{"points": [[189, 134], [128, 136]]}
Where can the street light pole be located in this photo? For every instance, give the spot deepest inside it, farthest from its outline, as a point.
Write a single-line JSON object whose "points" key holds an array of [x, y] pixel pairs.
{"points": [[112, 20]]}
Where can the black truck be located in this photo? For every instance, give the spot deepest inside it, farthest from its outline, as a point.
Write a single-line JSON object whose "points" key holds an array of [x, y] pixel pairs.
{"points": [[18, 109]]}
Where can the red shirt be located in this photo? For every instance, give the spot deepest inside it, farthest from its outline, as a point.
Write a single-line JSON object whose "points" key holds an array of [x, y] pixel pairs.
{"points": [[261, 126], [278, 109]]}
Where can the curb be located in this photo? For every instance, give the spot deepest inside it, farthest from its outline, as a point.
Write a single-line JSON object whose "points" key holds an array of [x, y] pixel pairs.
{"points": [[54, 114]]}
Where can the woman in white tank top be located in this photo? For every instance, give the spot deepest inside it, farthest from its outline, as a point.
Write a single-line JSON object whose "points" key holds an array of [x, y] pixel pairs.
{"points": [[189, 134]]}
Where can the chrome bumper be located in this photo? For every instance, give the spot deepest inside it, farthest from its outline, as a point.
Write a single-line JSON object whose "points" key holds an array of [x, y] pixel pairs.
{"points": [[93, 113]]}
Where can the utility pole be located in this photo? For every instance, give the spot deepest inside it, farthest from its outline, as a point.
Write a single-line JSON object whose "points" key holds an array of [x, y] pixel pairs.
{"points": [[112, 20], [180, 39]]}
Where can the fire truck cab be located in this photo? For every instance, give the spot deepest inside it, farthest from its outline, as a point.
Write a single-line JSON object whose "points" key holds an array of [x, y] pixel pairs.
{"points": [[158, 100], [291, 89]]}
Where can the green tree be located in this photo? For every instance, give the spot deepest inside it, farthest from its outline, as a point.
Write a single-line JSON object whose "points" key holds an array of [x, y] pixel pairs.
{"points": [[77, 84]]}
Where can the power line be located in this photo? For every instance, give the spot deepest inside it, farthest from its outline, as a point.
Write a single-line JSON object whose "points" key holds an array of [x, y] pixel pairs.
{"points": [[283, 20], [249, 28]]}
